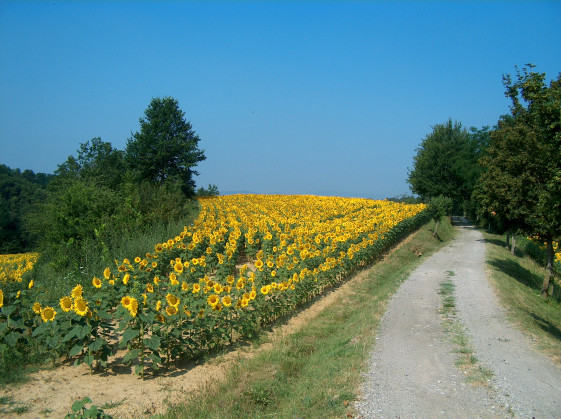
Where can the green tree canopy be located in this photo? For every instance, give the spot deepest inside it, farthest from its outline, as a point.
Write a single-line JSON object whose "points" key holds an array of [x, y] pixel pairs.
{"points": [[96, 162], [166, 148], [446, 163], [18, 192], [521, 184]]}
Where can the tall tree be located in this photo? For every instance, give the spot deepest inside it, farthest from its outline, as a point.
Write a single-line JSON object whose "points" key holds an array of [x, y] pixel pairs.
{"points": [[522, 182], [446, 163], [166, 148]]}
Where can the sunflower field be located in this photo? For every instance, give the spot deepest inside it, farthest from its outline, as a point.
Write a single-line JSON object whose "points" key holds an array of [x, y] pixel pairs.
{"points": [[13, 267], [246, 261]]}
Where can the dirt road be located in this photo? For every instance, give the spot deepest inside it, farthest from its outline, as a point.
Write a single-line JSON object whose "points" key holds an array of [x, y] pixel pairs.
{"points": [[412, 370]]}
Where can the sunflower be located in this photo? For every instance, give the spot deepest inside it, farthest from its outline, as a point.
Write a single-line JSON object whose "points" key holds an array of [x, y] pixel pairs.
{"points": [[196, 288], [158, 248], [137, 259], [158, 305], [48, 314], [96, 282], [265, 289], [1, 298], [213, 300], [77, 291], [184, 286], [37, 308], [30, 284], [259, 264], [172, 300], [245, 302], [173, 279], [149, 288], [133, 307], [66, 304], [126, 279], [218, 288], [126, 301], [170, 310], [107, 273], [227, 301], [80, 307], [154, 264], [178, 267]]}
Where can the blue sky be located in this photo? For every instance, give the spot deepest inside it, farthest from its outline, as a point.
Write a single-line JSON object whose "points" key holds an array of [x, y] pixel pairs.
{"points": [[326, 98]]}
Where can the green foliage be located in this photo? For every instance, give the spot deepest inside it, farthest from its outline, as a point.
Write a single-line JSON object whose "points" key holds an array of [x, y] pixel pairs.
{"points": [[406, 199], [97, 162], [438, 207], [212, 190], [166, 148], [446, 163], [18, 191], [80, 410], [521, 185]]}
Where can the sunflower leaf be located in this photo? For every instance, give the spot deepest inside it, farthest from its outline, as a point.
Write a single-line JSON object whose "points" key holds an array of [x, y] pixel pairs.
{"points": [[89, 359], [71, 334], [75, 350], [38, 330], [7, 310], [128, 335], [131, 355], [153, 343], [84, 331], [155, 360], [95, 345], [12, 338]]}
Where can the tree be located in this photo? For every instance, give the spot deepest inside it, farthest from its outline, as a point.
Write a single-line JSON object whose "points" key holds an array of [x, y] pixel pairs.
{"points": [[212, 190], [96, 162], [446, 163], [438, 207], [522, 181], [19, 191], [166, 148]]}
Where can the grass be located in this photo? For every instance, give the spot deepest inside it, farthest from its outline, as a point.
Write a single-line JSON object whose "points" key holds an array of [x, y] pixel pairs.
{"points": [[8, 406], [474, 372], [517, 280], [316, 371]]}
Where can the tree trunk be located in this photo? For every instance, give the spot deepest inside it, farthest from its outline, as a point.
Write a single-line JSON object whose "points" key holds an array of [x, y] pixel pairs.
{"points": [[508, 239], [513, 248], [547, 287], [435, 228]]}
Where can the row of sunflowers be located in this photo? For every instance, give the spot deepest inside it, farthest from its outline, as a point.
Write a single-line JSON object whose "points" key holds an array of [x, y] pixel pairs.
{"points": [[246, 261], [14, 267]]}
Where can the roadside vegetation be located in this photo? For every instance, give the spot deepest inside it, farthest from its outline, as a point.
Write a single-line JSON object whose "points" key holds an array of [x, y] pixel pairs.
{"points": [[517, 280], [316, 372]]}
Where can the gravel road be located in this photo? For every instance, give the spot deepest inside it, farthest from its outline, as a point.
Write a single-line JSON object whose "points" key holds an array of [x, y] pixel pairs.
{"points": [[411, 370]]}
